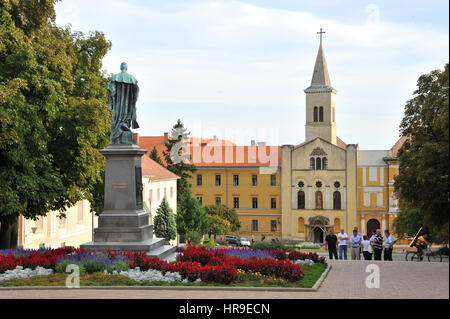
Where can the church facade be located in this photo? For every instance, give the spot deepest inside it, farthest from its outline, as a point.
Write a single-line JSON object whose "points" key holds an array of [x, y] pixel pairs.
{"points": [[328, 184]]}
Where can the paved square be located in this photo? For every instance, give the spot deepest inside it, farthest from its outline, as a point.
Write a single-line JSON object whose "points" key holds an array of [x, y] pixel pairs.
{"points": [[346, 279]]}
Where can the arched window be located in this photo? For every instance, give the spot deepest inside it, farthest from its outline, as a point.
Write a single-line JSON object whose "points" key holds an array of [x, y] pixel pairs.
{"points": [[321, 114], [312, 163], [316, 115], [318, 163], [325, 163], [336, 200], [319, 200], [301, 200], [301, 225]]}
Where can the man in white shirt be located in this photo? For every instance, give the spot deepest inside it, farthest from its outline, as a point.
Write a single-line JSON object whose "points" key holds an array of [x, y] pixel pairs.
{"points": [[343, 237], [389, 242]]}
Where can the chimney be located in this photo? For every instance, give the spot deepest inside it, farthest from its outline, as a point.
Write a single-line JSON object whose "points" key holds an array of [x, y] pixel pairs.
{"points": [[166, 137], [253, 143], [136, 138], [261, 143]]}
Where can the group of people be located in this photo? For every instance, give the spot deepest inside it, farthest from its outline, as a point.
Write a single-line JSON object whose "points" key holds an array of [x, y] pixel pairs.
{"points": [[371, 247]]}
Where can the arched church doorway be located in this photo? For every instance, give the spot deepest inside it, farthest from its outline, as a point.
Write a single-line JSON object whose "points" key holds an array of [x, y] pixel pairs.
{"points": [[318, 235], [372, 225]]}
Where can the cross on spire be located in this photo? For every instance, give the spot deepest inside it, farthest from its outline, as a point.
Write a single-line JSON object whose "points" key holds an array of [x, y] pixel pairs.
{"points": [[321, 32]]}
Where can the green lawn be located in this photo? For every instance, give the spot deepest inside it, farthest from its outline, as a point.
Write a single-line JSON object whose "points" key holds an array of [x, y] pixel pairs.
{"points": [[312, 274]]}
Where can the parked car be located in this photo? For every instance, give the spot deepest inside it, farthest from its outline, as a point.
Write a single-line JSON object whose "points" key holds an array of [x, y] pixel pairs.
{"points": [[232, 239], [244, 242]]}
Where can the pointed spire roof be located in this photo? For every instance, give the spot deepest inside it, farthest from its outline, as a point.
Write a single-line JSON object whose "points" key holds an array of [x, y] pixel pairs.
{"points": [[321, 79]]}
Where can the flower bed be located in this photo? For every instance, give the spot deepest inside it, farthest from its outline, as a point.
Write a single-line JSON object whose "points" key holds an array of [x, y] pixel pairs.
{"points": [[192, 265]]}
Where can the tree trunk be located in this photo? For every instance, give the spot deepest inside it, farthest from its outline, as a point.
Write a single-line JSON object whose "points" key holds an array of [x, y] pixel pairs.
{"points": [[9, 235]]}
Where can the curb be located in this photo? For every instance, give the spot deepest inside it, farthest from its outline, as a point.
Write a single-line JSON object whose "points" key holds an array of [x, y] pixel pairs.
{"points": [[192, 288]]}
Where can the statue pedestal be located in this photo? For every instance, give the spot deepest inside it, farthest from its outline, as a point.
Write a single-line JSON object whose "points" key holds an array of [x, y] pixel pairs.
{"points": [[124, 224]]}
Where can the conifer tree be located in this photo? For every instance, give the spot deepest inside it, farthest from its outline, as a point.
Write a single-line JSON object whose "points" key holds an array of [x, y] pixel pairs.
{"points": [[154, 156], [164, 222]]}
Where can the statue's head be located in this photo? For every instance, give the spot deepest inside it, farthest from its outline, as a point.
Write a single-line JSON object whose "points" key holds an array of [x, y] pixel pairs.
{"points": [[123, 66]]}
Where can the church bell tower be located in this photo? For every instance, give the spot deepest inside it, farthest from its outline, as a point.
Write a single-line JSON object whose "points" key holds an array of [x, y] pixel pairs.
{"points": [[320, 102]]}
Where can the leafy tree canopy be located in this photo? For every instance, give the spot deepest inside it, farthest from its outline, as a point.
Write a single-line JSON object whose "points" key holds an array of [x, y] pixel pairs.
{"points": [[422, 182], [53, 111], [226, 213]]}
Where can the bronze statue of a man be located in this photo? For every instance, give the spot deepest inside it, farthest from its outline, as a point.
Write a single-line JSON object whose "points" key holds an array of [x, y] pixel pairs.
{"points": [[123, 93]]}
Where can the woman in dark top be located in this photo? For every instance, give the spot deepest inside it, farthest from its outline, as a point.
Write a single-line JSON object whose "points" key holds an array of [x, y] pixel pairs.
{"points": [[378, 245]]}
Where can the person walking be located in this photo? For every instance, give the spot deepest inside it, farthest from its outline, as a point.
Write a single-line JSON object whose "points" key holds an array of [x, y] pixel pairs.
{"points": [[355, 242], [389, 242], [367, 248], [343, 237], [331, 244], [377, 245]]}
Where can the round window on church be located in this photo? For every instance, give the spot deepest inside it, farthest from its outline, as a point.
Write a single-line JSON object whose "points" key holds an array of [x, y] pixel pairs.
{"points": [[318, 184], [301, 184], [337, 184]]}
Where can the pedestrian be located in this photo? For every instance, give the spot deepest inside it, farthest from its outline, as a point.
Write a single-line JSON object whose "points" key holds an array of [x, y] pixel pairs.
{"points": [[377, 245], [367, 250], [331, 244], [355, 242], [343, 237], [388, 245]]}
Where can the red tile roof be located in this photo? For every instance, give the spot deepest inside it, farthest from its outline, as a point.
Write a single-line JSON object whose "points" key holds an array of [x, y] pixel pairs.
{"points": [[154, 171], [394, 150], [219, 153]]}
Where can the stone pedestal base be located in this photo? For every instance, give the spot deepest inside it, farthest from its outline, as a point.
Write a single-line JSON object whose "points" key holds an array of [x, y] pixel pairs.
{"points": [[124, 225]]}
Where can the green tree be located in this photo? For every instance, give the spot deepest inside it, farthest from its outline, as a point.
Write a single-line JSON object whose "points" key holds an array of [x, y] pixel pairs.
{"points": [[164, 222], [226, 213], [53, 113], [154, 156], [218, 226], [190, 215], [422, 182]]}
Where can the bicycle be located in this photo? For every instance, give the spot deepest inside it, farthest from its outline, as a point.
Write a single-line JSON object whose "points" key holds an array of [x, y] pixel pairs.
{"points": [[433, 256]]}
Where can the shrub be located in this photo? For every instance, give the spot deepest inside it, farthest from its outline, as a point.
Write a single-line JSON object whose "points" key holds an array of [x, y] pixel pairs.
{"points": [[195, 237], [209, 242]]}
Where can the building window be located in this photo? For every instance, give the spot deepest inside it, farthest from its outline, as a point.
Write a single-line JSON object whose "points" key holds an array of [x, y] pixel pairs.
{"points": [[301, 200], [319, 200], [39, 224], [312, 163], [325, 163], [318, 163], [336, 200], [159, 194], [80, 212], [165, 192], [199, 180], [254, 225], [235, 180], [337, 184], [200, 200], [301, 184], [318, 184], [273, 203], [321, 114], [218, 181], [273, 180], [236, 202], [273, 225], [62, 222], [171, 192], [254, 202], [316, 115], [254, 180], [218, 200], [150, 194]]}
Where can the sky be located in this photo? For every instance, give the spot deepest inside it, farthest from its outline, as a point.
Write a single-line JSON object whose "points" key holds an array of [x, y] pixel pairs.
{"points": [[237, 69]]}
